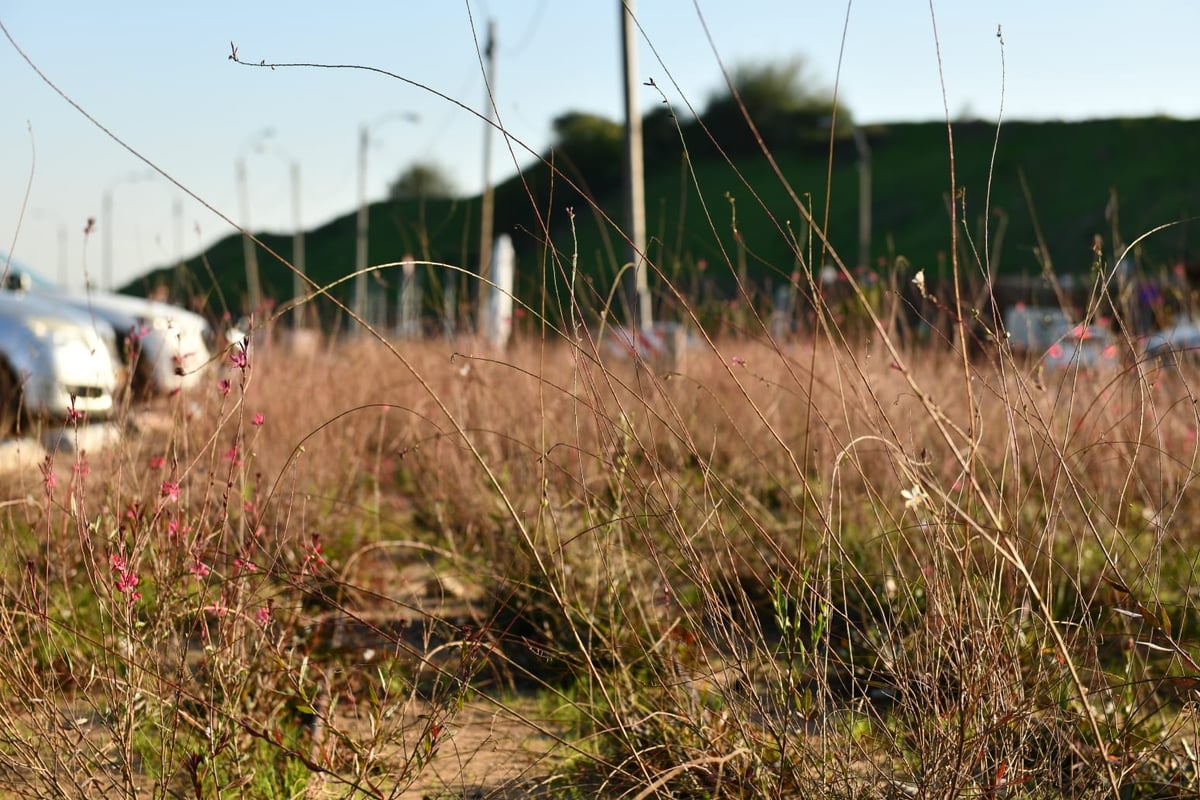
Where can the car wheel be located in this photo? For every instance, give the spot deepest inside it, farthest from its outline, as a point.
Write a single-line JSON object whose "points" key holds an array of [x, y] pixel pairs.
{"points": [[10, 402]]}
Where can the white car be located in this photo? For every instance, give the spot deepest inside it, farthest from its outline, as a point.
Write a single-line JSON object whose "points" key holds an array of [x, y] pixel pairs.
{"points": [[55, 363], [164, 348], [1179, 342]]}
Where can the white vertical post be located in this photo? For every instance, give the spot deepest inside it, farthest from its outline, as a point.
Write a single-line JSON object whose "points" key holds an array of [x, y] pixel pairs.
{"points": [[410, 299], [500, 295]]}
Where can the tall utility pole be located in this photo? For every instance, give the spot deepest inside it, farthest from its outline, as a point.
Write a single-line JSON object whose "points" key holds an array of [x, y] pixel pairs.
{"points": [[637, 291], [487, 202], [299, 287], [359, 306]]}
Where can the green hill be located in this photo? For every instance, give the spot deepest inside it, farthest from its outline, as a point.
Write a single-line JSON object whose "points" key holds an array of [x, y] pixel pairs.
{"points": [[1072, 171]]}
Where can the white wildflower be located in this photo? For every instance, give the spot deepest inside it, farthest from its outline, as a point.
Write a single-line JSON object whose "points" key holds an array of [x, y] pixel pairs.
{"points": [[915, 497], [919, 281]]}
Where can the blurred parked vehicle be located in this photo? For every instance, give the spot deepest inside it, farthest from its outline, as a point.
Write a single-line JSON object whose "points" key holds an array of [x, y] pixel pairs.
{"points": [[164, 348], [662, 340], [1033, 329], [55, 363], [1083, 347], [1048, 334], [1179, 341]]}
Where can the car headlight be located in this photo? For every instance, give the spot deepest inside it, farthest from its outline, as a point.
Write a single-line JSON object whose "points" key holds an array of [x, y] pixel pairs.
{"points": [[147, 324], [56, 330]]}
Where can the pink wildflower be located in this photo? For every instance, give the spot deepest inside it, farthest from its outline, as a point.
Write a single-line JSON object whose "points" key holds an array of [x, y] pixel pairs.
{"points": [[259, 419], [170, 491]]}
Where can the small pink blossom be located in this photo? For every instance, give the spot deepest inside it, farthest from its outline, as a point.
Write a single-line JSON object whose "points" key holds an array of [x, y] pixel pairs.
{"points": [[49, 477], [137, 333], [157, 462], [263, 616], [170, 491], [313, 556], [259, 419], [238, 357], [81, 467], [223, 386], [126, 578], [738, 361], [199, 568]]}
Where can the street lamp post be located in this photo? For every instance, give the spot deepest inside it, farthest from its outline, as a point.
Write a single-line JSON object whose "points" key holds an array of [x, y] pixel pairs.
{"points": [[106, 217], [61, 236], [361, 239], [299, 285], [249, 251]]}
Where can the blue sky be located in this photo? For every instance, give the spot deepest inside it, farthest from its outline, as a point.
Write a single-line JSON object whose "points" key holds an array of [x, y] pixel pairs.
{"points": [[157, 75]]}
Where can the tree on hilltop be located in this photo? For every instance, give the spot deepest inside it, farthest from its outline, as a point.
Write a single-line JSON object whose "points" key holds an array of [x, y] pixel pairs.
{"points": [[423, 180], [784, 103]]}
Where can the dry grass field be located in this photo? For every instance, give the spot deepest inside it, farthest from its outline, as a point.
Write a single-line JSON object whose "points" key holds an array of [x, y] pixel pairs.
{"points": [[426, 569]]}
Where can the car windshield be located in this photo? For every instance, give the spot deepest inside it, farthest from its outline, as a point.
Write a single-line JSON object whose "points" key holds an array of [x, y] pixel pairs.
{"points": [[13, 271]]}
